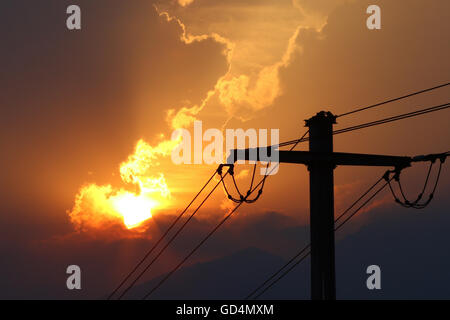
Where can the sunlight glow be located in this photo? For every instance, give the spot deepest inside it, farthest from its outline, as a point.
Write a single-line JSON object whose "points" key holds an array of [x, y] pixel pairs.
{"points": [[98, 207], [134, 209]]}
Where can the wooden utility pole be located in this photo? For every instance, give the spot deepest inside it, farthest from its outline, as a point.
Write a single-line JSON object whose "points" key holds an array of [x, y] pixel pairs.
{"points": [[321, 203], [321, 162]]}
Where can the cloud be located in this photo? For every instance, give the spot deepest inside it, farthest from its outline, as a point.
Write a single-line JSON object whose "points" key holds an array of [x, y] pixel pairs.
{"points": [[185, 3], [96, 205], [242, 96], [91, 95], [252, 82], [38, 269]]}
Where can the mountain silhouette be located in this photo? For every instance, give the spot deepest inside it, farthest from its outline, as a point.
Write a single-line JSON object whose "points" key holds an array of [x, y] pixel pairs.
{"points": [[231, 277]]}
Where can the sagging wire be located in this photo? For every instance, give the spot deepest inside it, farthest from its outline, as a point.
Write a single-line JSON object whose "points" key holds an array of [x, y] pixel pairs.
{"points": [[244, 198], [416, 204]]}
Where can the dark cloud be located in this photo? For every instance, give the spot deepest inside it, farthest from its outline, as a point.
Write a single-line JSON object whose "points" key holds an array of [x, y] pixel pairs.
{"points": [[403, 243], [37, 269], [407, 245]]}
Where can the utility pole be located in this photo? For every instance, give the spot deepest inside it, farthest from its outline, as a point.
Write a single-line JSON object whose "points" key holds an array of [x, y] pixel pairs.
{"points": [[321, 202], [321, 162]]}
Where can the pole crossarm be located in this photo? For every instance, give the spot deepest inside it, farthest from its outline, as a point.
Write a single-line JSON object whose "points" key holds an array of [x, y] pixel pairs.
{"points": [[334, 158]]}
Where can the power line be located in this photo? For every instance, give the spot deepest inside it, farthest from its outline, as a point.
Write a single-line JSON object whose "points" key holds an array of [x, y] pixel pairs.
{"points": [[299, 140], [304, 250], [432, 158], [388, 179], [394, 118], [416, 204], [359, 199], [393, 100], [206, 238], [173, 237], [279, 271], [308, 246], [241, 197], [377, 122], [192, 252], [294, 142], [161, 238], [283, 274], [230, 170]]}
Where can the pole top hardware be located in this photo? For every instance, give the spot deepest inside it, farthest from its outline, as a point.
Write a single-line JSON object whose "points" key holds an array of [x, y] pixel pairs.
{"points": [[230, 170], [321, 116]]}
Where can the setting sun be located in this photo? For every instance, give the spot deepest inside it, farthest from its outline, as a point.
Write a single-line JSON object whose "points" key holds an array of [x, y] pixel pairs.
{"points": [[134, 209], [98, 207]]}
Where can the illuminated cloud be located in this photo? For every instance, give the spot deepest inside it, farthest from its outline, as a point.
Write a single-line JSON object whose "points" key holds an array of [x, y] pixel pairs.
{"points": [[242, 96], [100, 207], [106, 206], [185, 116], [185, 3], [252, 81]]}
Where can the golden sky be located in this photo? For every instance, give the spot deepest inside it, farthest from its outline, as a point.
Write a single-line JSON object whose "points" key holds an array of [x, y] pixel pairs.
{"points": [[231, 64], [87, 116]]}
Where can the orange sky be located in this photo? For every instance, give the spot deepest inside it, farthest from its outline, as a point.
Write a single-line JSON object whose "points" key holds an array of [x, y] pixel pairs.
{"points": [[289, 59], [75, 105], [233, 64]]}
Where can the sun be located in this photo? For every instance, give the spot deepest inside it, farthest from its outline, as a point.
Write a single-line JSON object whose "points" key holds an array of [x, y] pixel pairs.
{"points": [[100, 206], [134, 209]]}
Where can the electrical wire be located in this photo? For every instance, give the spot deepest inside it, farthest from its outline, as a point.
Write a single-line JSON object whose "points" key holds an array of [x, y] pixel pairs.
{"points": [[394, 118], [307, 249], [388, 180], [308, 245], [250, 191], [365, 203], [173, 237], [279, 270], [168, 275], [377, 122], [241, 197], [395, 99], [299, 140], [415, 204], [161, 238]]}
